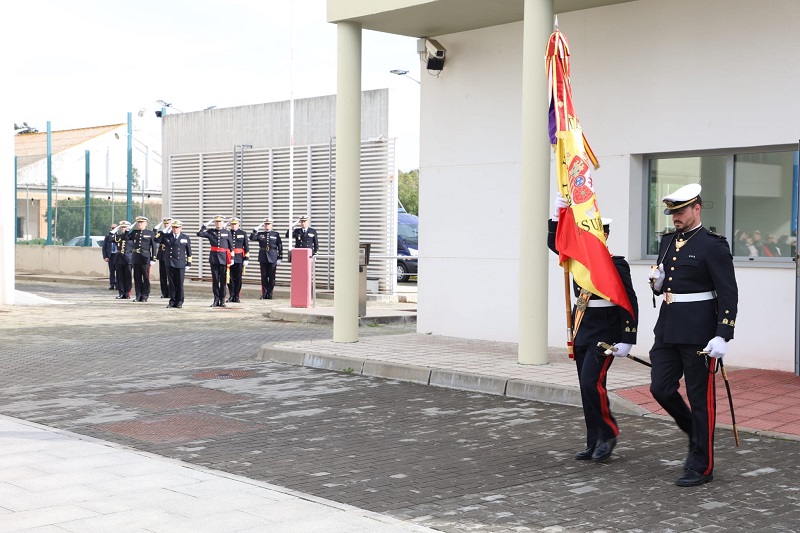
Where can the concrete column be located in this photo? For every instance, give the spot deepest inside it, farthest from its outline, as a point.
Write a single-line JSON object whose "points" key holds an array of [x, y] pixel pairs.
{"points": [[535, 186], [7, 212], [348, 173]]}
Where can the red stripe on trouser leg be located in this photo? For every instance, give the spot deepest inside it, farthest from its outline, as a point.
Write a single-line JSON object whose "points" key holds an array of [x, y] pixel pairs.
{"points": [[605, 410], [711, 412]]}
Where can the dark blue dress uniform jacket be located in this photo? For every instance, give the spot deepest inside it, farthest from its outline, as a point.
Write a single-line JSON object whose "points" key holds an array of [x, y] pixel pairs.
{"points": [[161, 246], [309, 240], [124, 249], [270, 247], [219, 238], [143, 245], [177, 252], [240, 243], [607, 324], [704, 263]]}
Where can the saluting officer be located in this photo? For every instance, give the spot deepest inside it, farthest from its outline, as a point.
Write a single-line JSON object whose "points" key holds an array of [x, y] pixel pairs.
{"points": [[178, 259], [110, 255], [123, 260], [603, 321], [241, 254], [143, 244], [305, 236], [270, 251], [695, 274], [220, 256], [163, 277]]}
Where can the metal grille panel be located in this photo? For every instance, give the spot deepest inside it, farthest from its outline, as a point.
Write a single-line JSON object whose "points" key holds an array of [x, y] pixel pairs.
{"points": [[203, 185]]}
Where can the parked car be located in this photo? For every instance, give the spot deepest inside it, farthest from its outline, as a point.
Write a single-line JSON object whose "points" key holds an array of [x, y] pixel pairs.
{"points": [[96, 240], [407, 246]]}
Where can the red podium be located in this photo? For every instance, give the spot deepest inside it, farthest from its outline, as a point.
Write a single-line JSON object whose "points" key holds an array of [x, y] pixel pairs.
{"points": [[302, 275]]}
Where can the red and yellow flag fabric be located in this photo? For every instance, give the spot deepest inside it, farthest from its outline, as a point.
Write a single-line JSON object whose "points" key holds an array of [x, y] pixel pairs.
{"points": [[579, 239]]}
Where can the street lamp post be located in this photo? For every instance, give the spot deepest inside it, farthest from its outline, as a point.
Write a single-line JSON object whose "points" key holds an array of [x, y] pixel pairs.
{"points": [[400, 72]]}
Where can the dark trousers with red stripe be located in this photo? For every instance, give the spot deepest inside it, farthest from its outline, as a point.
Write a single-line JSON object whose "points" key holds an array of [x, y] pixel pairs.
{"points": [[163, 278], [218, 281], [592, 373], [697, 419], [235, 286], [141, 279]]}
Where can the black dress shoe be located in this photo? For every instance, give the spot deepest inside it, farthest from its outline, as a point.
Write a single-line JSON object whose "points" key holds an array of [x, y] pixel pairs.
{"points": [[262, 297], [604, 449], [584, 455], [119, 297], [170, 305], [692, 478], [112, 288], [178, 306], [164, 296], [143, 298], [126, 297], [222, 304], [269, 296]]}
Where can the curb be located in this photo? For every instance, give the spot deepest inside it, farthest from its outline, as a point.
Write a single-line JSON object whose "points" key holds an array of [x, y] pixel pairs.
{"points": [[278, 314], [444, 378]]}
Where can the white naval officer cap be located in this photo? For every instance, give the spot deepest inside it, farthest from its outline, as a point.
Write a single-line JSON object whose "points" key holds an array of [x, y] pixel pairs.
{"points": [[686, 195]]}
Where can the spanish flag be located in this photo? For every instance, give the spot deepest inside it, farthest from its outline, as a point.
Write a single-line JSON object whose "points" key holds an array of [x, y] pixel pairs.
{"points": [[579, 238]]}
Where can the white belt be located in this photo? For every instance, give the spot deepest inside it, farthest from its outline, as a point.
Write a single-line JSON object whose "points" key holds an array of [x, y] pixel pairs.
{"points": [[600, 303], [672, 298]]}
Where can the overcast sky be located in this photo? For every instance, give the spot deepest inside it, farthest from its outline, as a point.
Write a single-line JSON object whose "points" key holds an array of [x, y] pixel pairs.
{"points": [[82, 63]]}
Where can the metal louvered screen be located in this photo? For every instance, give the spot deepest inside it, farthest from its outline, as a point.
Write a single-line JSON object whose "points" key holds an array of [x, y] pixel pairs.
{"points": [[202, 185]]}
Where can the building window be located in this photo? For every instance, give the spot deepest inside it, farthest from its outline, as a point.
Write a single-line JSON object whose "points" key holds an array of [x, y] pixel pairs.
{"points": [[749, 197]]}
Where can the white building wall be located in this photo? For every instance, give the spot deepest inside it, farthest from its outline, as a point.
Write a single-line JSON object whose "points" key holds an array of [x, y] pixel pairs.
{"points": [[648, 77]]}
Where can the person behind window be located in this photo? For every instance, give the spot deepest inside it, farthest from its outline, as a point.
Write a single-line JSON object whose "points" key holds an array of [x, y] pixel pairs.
{"points": [[740, 243], [784, 247], [751, 247], [770, 246], [757, 242]]}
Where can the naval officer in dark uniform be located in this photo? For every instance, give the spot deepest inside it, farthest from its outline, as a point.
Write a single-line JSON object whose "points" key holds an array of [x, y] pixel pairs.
{"points": [[220, 256], [305, 236], [143, 244], [695, 273], [270, 251], [605, 322], [178, 259], [241, 256], [163, 277], [123, 260]]}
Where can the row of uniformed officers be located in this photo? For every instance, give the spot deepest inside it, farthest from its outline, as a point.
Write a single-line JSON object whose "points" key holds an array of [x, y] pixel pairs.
{"points": [[131, 252]]}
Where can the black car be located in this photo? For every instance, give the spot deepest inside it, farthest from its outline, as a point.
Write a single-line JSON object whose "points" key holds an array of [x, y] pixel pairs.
{"points": [[407, 246]]}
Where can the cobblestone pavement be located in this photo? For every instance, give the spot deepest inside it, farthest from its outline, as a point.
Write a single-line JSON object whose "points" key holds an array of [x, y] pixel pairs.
{"points": [[186, 386]]}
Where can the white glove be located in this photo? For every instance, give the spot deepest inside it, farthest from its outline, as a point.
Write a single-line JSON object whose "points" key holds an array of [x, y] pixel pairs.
{"points": [[657, 277], [246, 262], [716, 347], [560, 203], [188, 267], [255, 230], [622, 349], [278, 262], [152, 263]]}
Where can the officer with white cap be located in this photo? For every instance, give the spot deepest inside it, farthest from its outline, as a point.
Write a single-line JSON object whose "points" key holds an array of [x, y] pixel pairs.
{"points": [[270, 251], [143, 243], [604, 322], [124, 260], [220, 256], [695, 273]]}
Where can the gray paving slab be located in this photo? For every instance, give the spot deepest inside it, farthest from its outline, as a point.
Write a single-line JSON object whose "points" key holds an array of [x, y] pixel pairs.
{"points": [[451, 460]]}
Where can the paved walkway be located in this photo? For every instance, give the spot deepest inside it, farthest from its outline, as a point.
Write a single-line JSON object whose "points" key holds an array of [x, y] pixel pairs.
{"points": [[53, 480], [765, 402], [183, 415]]}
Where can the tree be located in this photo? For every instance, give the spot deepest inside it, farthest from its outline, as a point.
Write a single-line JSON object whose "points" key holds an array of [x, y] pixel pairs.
{"points": [[408, 190], [71, 212]]}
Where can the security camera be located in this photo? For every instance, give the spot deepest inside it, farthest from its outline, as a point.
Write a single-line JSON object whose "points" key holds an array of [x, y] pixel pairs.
{"points": [[432, 52]]}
